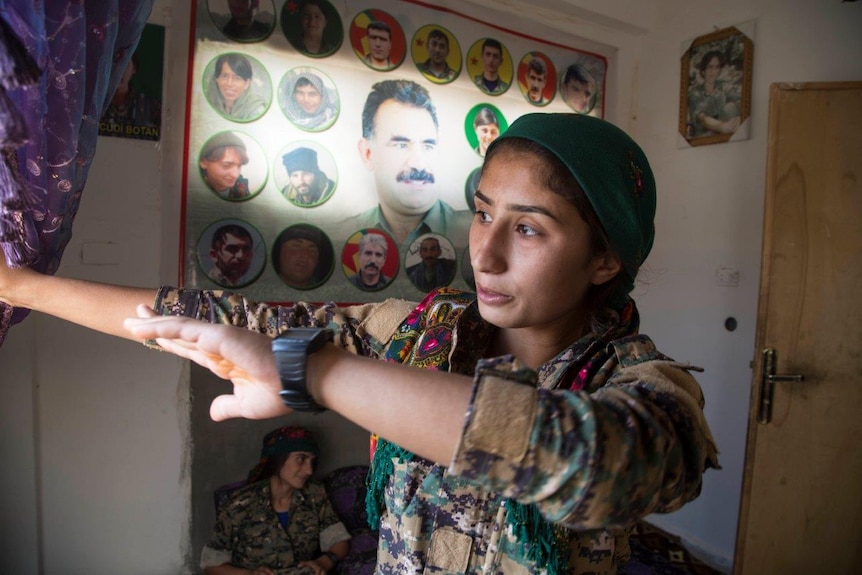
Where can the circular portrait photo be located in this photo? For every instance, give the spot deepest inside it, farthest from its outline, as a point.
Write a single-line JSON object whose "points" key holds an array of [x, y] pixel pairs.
{"points": [[378, 40], [436, 53], [467, 269], [313, 27], [537, 78], [490, 66], [303, 257], [243, 20], [470, 187], [231, 253], [309, 99], [430, 262], [237, 86], [581, 85], [233, 166], [369, 259], [305, 174], [484, 124]]}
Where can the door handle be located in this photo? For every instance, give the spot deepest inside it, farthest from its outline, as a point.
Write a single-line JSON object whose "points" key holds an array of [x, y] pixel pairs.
{"points": [[768, 378]]}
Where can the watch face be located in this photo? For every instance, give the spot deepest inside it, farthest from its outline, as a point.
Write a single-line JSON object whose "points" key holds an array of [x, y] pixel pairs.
{"points": [[299, 334], [288, 342], [301, 338]]}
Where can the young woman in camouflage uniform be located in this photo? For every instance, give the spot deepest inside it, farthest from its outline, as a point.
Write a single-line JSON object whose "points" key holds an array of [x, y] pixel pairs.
{"points": [[542, 425], [281, 521]]}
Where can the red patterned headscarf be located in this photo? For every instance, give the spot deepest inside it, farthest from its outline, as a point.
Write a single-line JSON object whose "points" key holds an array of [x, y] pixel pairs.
{"points": [[281, 441]]}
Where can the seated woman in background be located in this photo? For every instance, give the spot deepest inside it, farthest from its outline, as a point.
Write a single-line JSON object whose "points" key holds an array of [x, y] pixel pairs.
{"points": [[281, 519]]}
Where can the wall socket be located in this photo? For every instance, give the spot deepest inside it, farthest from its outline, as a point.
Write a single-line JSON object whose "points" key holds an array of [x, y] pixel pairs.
{"points": [[727, 277]]}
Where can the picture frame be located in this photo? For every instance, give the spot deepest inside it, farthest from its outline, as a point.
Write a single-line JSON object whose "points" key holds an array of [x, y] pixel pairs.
{"points": [[715, 87]]}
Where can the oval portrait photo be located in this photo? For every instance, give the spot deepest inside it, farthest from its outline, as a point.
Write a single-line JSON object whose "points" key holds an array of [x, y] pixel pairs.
{"points": [[305, 173], [581, 85], [231, 253], [243, 20], [378, 40], [370, 259], [430, 262], [471, 184], [233, 166], [313, 27], [237, 86], [490, 66], [537, 78], [436, 53], [303, 257], [483, 124], [309, 99]]}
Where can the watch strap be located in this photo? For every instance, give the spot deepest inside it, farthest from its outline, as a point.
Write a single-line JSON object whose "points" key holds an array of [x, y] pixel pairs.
{"points": [[332, 557], [291, 350]]}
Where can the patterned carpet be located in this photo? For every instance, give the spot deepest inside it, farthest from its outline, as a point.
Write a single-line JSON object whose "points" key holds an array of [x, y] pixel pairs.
{"points": [[655, 552]]}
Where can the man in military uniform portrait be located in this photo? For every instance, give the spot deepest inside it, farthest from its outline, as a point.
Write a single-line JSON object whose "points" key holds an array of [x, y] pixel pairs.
{"points": [[308, 185], [373, 248], [433, 270]]}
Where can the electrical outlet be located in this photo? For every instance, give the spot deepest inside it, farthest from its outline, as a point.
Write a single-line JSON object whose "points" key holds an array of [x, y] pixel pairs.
{"points": [[727, 277]]}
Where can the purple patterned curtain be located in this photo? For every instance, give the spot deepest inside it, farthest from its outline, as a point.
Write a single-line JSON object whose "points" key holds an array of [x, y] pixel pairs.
{"points": [[60, 62]]}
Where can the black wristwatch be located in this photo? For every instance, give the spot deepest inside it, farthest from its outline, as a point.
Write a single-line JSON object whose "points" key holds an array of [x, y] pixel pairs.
{"points": [[291, 350], [332, 557]]}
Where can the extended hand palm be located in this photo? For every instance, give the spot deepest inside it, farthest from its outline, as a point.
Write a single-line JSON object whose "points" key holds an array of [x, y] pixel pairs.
{"points": [[244, 357]]}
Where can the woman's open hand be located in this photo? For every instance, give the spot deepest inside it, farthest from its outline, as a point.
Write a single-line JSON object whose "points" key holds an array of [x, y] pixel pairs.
{"points": [[242, 356]]}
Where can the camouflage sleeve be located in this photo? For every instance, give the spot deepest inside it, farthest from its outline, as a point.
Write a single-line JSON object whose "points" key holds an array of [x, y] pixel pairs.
{"points": [[356, 326], [637, 445], [218, 551], [332, 530]]}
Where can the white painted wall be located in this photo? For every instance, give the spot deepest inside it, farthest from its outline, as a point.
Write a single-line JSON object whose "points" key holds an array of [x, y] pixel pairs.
{"points": [[94, 431], [710, 212]]}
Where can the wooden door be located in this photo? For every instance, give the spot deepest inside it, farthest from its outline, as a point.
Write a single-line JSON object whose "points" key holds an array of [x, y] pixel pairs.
{"points": [[801, 505]]}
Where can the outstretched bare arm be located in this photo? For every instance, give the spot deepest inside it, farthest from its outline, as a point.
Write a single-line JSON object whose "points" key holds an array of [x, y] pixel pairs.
{"points": [[376, 395], [101, 307]]}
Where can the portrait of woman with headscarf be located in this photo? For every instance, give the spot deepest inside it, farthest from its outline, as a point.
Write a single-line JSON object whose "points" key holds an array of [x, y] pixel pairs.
{"points": [[484, 124], [309, 99], [233, 89]]}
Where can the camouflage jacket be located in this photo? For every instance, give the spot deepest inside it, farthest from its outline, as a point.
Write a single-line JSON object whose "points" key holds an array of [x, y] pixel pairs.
{"points": [[631, 441], [248, 533]]}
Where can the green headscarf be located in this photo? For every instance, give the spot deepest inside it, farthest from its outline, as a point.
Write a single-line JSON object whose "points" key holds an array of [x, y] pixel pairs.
{"points": [[613, 172]]}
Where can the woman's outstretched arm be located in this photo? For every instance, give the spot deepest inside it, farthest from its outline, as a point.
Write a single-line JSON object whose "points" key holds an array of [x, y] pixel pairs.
{"points": [[401, 403], [99, 306]]}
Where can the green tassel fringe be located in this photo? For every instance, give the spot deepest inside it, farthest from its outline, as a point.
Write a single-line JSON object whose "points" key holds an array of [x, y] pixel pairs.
{"points": [[548, 544], [378, 476]]}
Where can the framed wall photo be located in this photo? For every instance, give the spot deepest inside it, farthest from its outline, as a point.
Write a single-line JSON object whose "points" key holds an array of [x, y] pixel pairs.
{"points": [[715, 87], [135, 109]]}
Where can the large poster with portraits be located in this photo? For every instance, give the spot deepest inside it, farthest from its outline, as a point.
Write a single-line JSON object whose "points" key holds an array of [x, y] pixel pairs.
{"points": [[334, 148]]}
